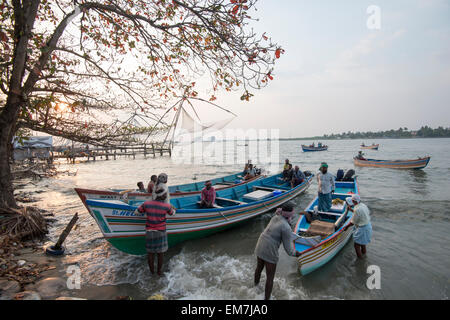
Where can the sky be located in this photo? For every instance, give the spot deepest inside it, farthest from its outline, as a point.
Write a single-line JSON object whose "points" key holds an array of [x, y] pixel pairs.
{"points": [[339, 75]]}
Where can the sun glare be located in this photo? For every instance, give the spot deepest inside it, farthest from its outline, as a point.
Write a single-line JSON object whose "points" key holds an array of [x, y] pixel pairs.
{"points": [[62, 107]]}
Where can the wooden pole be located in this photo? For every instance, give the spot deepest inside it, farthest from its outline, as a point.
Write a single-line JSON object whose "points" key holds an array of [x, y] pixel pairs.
{"points": [[66, 231]]}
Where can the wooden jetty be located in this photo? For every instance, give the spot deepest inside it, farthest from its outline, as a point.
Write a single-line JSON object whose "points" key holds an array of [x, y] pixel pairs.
{"points": [[73, 153]]}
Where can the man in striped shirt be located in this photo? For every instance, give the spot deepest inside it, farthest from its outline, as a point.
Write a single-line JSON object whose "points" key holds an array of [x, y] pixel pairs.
{"points": [[156, 236]]}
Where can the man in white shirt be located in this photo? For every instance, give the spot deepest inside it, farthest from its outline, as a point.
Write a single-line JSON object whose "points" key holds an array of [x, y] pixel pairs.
{"points": [[361, 222]]}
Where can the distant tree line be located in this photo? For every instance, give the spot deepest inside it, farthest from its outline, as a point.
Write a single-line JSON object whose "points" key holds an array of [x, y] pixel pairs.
{"points": [[423, 132]]}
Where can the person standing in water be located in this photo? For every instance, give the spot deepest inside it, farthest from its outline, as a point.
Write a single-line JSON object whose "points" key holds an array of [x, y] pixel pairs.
{"points": [[155, 227], [277, 231], [362, 233], [326, 187]]}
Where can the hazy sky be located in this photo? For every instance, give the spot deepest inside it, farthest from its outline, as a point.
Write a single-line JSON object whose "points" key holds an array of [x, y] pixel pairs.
{"points": [[338, 75]]}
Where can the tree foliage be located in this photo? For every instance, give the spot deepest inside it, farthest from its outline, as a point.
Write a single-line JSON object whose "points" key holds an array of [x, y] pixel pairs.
{"points": [[79, 66]]}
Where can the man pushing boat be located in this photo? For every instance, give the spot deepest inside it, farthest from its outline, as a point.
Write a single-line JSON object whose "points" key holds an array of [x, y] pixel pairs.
{"points": [[277, 231], [361, 222]]}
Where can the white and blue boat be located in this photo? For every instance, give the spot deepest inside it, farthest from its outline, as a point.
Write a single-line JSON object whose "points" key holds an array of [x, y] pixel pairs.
{"points": [[126, 231], [317, 248]]}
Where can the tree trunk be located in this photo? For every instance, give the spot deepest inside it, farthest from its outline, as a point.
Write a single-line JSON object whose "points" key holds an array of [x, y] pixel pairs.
{"points": [[6, 187]]}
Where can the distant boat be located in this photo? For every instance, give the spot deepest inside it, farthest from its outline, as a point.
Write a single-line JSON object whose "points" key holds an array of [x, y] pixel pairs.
{"points": [[126, 231], [319, 241], [372, 147], [419, 163], [311, 149], [181, 190]]}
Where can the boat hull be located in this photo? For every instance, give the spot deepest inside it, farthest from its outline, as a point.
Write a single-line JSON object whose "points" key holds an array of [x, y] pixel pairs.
{"points": [[396, 164], [126, 231], [313, 149], [323, 253], [375, 147]]}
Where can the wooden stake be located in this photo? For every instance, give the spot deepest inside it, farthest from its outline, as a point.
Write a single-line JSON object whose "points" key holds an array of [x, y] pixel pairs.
{"points": [[66, 231]]}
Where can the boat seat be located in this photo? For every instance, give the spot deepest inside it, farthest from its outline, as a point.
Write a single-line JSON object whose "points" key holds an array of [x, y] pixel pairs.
{"points": [[214, 205], [231, 200], [226, 182]]}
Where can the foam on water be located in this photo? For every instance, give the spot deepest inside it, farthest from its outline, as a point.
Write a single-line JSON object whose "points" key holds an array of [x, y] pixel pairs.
{"points": [[204, 276]]}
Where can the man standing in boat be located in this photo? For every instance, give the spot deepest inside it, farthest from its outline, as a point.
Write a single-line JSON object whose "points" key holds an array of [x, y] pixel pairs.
{"points": [[155, 235], [361, 222], [326, 187], [208, 196]]}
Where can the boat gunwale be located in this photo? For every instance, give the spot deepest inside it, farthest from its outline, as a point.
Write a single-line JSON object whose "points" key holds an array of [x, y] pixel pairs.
{"points": [[229, 208]]}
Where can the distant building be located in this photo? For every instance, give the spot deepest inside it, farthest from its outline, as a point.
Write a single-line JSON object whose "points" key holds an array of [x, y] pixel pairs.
{"points": [[33, 147]]}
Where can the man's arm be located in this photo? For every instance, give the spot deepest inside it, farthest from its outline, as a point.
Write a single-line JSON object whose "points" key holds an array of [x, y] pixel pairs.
{"points": [[140, 210]]}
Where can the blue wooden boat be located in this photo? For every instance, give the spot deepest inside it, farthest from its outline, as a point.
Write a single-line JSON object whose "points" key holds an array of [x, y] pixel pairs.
{"points": [[126, 231], [181, 190], [317, 248], [311, 149]]}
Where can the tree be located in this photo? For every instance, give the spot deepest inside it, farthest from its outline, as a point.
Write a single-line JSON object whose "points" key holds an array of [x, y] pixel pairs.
{"points": [[71, 68]]}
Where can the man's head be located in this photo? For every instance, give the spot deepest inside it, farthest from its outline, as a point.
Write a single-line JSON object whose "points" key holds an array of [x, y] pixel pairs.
{"points": [[297, 168], [286, 161], [162, 178], [324, 167], [208, 184], [356, 199], [290, 166], [250, 166], [140, 185], [154, 178]]}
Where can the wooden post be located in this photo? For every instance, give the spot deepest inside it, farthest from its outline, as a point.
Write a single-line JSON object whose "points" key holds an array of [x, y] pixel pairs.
{"points": [[66, 231], [153, 148], [115, 154], [145, 151]]}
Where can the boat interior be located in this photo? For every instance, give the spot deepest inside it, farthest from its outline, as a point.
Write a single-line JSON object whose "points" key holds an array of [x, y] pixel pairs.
{"points": [[328, 222], [246, 193], [218, 182]]}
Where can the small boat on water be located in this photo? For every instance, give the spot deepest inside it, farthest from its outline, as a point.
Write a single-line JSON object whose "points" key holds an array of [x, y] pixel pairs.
{"points": [[181, 190], [372, 147], [126, 231], [319, 241], [419, 163], [314, 148]]}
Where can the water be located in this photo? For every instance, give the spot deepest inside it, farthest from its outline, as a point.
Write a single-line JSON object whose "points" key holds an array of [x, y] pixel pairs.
{"points": [[410, 218]]}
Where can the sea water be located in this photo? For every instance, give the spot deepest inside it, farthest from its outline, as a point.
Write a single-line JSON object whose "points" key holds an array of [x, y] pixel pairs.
{"points": [[409, 213]]}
